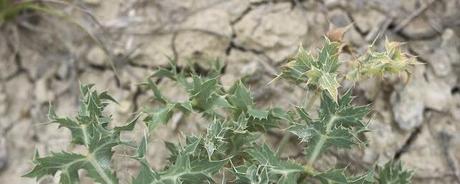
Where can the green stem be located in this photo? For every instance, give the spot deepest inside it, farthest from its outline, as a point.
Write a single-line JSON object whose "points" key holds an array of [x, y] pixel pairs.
{"points": [[313, 99], [322, 140], [287, 136]]}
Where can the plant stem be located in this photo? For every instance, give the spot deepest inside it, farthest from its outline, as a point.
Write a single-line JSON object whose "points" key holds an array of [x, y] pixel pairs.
{"points": [[287, 135], [322, 140], [313, 99]]}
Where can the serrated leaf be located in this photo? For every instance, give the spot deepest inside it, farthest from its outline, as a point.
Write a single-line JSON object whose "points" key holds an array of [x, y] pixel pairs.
{"points": [[156, 92], [285, 171], [252, 174], [184, 169], [328, 82], [69, 163], [392, 60], [258, 113], [319, 72], [129, 126], [159, 116], [90, 128], [240, 96], [393, 173], [334, 176], [338, 125]]}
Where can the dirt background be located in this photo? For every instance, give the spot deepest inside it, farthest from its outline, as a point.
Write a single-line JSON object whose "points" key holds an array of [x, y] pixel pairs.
{"points": [[43, 58]]}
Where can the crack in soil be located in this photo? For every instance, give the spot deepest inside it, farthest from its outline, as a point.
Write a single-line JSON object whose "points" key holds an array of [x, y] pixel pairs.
{"points": [[407, 144]]}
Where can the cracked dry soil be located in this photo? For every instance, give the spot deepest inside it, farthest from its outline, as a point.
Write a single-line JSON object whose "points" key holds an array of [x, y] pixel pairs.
{"points": [[44, 58]]}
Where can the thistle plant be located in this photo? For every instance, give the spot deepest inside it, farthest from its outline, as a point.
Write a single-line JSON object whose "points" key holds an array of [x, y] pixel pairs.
{"points": [[231, 150]]}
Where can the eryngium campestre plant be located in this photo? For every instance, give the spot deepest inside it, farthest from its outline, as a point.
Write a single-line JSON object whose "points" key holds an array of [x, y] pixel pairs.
{"points": [[230, 151]]}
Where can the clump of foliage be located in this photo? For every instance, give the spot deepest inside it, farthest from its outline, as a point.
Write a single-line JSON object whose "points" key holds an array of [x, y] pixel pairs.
{"points": [[231, 150], [10, 9]]}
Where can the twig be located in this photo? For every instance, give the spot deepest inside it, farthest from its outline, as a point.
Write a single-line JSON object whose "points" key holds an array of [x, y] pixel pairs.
{"points": [[412, 16]]}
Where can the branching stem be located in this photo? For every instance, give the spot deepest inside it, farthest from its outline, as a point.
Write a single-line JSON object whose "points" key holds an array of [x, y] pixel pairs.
{"points": [[287, 135]]}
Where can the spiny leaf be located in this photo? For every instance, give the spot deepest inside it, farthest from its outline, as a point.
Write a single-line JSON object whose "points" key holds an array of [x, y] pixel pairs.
{"points": [[338, 125], [393, 173], [160, 115], [332, 176], [319, 72], [240, 97], [90, 128], [186, 168], [248, 174], [328, 82], [130, 125], [285, 171], [258, 113], [392, 60]]}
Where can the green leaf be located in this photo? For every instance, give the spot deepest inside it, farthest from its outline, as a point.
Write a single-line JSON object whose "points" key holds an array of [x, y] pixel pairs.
{"points": [[338, 125], [130, 125], [392, 60], [90, 128], [328, 82], [185, 169], [78, 135], [258, 113], [240, 97], [332, 176], [68, 163], [319, 72], [284, 171], [393, 173], [156, 92], [252, 174]]}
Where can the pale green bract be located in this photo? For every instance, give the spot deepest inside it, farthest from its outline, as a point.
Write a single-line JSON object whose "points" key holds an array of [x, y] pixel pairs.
{"points": [[232, 148]]}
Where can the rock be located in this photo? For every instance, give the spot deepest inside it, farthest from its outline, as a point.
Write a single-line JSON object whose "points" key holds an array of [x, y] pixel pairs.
{"points": [[440, 62], [274, 29], [455, 110], [234, 8], [368, 20], [409, 102], [371, 87], [240, 64], [437, 94], [42, 94], [3, 154], [3, 101], [437, 56], [7, 65], [423, 48], [418, 28], [212, 20], [20, 101], [92, 2], [107, 11], [155, 51], [63, 72], [450, 45], [131, 77], [383, 139], [426, 156], [197, 45], [335, 3], [36, 64], [339, 18], [97, 56], [445, 55]]}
